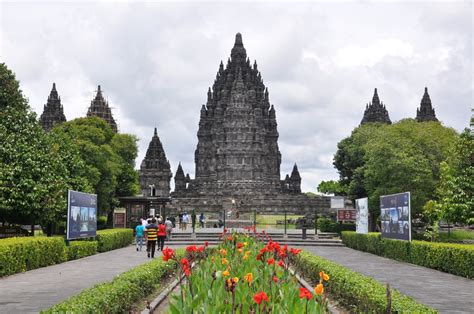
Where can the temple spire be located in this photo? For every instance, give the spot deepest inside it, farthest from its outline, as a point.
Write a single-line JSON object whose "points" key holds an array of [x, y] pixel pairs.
{"points": [[53, 112], [100, 108], [375, 111], [375, 99], [426, 111]]}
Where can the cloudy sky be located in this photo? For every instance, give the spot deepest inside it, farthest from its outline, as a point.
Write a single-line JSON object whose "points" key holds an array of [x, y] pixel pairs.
{"points": [[320, 62]]}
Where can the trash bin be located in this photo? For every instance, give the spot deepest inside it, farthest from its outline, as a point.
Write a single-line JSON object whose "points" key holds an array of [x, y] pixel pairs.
{"points": [[304, 232]]}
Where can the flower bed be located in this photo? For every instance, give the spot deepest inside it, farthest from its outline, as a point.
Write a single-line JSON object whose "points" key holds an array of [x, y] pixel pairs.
{"points": [[243, 275], [452, 258]]}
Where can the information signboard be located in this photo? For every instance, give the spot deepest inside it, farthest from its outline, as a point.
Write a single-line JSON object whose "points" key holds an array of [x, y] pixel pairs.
{"points": [[81, 215], [346, 215], [395, 216], [362, 215]]}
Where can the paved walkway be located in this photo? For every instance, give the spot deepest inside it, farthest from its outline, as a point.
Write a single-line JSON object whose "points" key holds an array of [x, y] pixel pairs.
{"points": [[39, 289], [444, 292]]}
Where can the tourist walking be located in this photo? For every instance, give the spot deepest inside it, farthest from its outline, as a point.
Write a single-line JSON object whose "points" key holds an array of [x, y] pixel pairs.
{"points": [[151, 237], [139, 233], [161, 234], [180, 220], [201, 220], [185, 221], [169, 228]]}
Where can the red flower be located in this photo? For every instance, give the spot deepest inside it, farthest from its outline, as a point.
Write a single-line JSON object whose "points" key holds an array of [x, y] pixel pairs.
{"points": [[206, 244], [184, 262], [281, 264], [304, 293], [167, 254], [294, 251], [259, 297], [187, 271], [270, 261], [259, 257], [240, 245], [225, 230], [229, 238], [201, 249], [275, 279], [191, 248]]}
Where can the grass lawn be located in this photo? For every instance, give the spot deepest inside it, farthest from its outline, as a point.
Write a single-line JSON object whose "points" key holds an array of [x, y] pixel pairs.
{"points": [[456, 235], [272, 219]]}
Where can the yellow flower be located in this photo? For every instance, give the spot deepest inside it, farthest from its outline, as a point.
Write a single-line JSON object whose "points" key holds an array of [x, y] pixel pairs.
{"points": [[236, 279], [245, 243], [224, 261], [319, 289], [223, 252], [249, 278], [213, 259], [323, 276]]}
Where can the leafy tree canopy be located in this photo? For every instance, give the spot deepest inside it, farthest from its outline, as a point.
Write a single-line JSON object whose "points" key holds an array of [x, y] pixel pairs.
{"points": [[331, 187]]}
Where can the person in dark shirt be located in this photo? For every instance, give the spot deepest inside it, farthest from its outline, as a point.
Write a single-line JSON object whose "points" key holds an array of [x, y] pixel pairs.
{"points": [[151, 236]]}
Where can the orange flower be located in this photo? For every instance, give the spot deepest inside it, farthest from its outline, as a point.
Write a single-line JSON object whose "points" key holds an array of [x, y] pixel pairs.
{"points": [[249, 278], [319, 289], [224, 261], [240, 250], [225, 273], [223, 252], [323, 276]]}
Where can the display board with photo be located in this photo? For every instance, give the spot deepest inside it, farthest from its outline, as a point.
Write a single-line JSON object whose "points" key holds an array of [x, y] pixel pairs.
{"points": [[395, 216], [82, 215]]}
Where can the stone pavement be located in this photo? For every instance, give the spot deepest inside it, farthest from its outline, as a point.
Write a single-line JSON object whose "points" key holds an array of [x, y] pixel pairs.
{"points": [[445, 292], [39, 289]]}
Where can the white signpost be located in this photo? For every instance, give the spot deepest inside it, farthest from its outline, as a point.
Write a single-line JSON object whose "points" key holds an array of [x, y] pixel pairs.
{"points": [[362, 215]]}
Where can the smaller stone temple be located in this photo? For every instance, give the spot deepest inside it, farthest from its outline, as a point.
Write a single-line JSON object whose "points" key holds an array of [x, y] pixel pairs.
{"points": [[155, 171], [100, 108], [53, 112], [426, 111], [376, 111]]}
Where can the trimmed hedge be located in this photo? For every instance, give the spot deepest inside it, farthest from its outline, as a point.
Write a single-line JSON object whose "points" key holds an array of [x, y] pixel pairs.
{"points": [[26, 253], [21, 254], [456, 259], [328, 225], [120, 294], [360, 293], [80, 249], [112, 239]]}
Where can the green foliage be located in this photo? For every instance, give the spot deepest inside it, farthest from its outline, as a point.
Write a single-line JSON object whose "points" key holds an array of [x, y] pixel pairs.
{"points": [[22, 254], [10, 92], [379, 159], [329, 225], [101, 222], [361, 293], [455, 191], [109, 158], [120, 294], [80, 249], [112, 239], [456, 236], [456, 259], [331, 187]]}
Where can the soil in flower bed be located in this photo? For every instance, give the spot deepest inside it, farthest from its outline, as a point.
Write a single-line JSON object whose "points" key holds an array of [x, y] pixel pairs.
{"points": [[141, 305]]}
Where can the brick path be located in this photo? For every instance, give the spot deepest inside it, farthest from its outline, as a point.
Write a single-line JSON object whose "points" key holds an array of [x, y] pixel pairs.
{"points": [[445, 292]]}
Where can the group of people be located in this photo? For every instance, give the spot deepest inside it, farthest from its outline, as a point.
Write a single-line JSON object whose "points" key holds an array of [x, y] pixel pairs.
{"points": [[154, 231]]}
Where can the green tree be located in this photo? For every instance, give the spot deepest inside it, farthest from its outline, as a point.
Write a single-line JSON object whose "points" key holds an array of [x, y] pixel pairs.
{"points": [[379, 159], [455, 191], [10, 92], [331, 187], [109, 158]]}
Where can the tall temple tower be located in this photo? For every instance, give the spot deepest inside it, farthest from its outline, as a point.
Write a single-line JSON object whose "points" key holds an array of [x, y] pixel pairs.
{"points": [[53, 111], [100, 108], [426, 111], [155, 172], [376, 111], [237, 156], [237, 150]]}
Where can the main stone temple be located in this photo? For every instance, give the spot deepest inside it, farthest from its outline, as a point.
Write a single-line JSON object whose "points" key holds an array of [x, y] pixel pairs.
{"points": [[237, 156]]}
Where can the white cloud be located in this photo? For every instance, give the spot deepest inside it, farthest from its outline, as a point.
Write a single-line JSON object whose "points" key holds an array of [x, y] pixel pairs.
{"points": [[320, 62]]}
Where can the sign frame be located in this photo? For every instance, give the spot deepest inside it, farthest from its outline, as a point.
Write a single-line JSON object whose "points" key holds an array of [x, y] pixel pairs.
{"points": [[392, 210], [362, 228], [83, 199]]}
